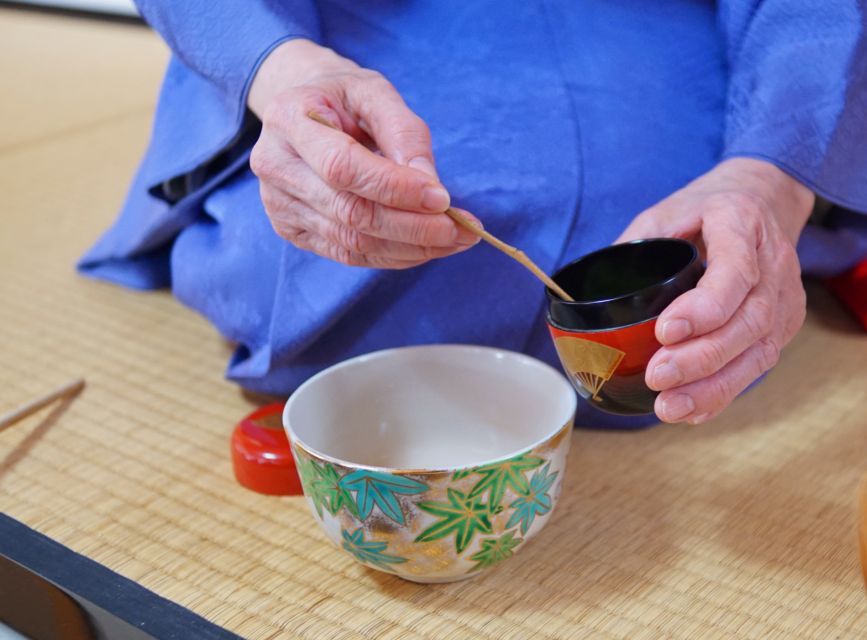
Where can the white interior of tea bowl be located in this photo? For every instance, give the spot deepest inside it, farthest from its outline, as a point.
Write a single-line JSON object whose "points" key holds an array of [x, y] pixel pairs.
{"points": [[428, 408]]}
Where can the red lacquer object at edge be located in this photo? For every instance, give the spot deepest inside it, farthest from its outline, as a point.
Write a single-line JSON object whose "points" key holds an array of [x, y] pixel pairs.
{"points": [[262, 456], [851, 288]]}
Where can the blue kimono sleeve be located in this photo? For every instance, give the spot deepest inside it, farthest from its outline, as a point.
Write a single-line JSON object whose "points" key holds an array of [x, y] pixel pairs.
{"points": [[798, 91], [202, 131], [222, 44], [225, 41]]}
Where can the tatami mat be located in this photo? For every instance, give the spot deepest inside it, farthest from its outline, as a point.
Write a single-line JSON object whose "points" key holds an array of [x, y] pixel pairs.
{"points": [[742, 528]]}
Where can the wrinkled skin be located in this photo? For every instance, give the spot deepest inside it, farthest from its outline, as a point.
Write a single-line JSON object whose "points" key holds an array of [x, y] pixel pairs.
{"points": [[746, 215], [366, 194]]}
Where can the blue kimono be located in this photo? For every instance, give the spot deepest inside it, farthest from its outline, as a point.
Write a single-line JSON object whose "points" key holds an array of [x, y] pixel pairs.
{"points": [[555, 122]]}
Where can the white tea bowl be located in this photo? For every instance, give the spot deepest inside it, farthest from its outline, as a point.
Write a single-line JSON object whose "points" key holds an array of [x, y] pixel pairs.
{"points": [[434, 462]]}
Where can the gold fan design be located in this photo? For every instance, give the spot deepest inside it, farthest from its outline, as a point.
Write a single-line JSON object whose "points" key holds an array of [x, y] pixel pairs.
{"points": [[591, 363]]}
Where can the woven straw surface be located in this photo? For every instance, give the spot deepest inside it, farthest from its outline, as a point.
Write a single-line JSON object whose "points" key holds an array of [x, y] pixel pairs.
{"points": [[742, 528]]}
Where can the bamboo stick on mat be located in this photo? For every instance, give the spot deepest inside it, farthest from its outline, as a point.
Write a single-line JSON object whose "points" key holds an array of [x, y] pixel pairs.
{"points": [[69, 390]]}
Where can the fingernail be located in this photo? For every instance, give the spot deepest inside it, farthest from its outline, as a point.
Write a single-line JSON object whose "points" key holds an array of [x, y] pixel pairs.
{"points": [[465, 238], [423, 164], [666, 375], [435, 198], [699, 419], [676, 330], [676, 407]]}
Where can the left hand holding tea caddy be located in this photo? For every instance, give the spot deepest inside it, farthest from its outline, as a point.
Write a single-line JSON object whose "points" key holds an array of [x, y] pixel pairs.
{"points": [[721, 336]]}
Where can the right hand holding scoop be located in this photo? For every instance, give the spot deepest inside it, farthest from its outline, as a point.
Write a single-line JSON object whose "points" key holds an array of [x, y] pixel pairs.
{"points": [[366, 194]]}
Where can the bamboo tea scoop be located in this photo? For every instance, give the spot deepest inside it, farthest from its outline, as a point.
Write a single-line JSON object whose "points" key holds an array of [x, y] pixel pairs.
{"points": [[68, 390], [509, 250], [492, 240]]}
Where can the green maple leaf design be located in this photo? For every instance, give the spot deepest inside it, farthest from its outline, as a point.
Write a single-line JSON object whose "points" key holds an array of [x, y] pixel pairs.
{"points": [[328, 484], [368, 551], [495, 550], [310, 473], [305, 471], [536, 502], [461, 515], [380, 489], [509, 472]]}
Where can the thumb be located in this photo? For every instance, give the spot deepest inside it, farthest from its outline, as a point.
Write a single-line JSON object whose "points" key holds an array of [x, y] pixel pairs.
{"points": [[665, 219], [645, 225]]}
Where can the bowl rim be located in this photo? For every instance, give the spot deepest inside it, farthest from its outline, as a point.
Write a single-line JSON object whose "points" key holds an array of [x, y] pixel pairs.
{"points": [[295, 441]]}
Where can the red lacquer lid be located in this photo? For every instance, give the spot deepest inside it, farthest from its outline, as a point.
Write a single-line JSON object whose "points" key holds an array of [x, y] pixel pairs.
{"points": [[261, 454]]}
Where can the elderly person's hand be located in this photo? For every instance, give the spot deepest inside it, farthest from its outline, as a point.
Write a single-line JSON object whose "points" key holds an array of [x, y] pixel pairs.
{"points": [[746, 215], [366, 194]]}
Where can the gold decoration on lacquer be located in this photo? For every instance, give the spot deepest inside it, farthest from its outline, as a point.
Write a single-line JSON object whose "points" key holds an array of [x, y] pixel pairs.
{"points": [[591, 363]]}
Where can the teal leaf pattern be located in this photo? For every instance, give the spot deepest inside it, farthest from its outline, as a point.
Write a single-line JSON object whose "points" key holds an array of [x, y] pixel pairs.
{"points": [[369, 551], [461, 515], [494, 550], [375, 488], [465, 515], [536, 502]]}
